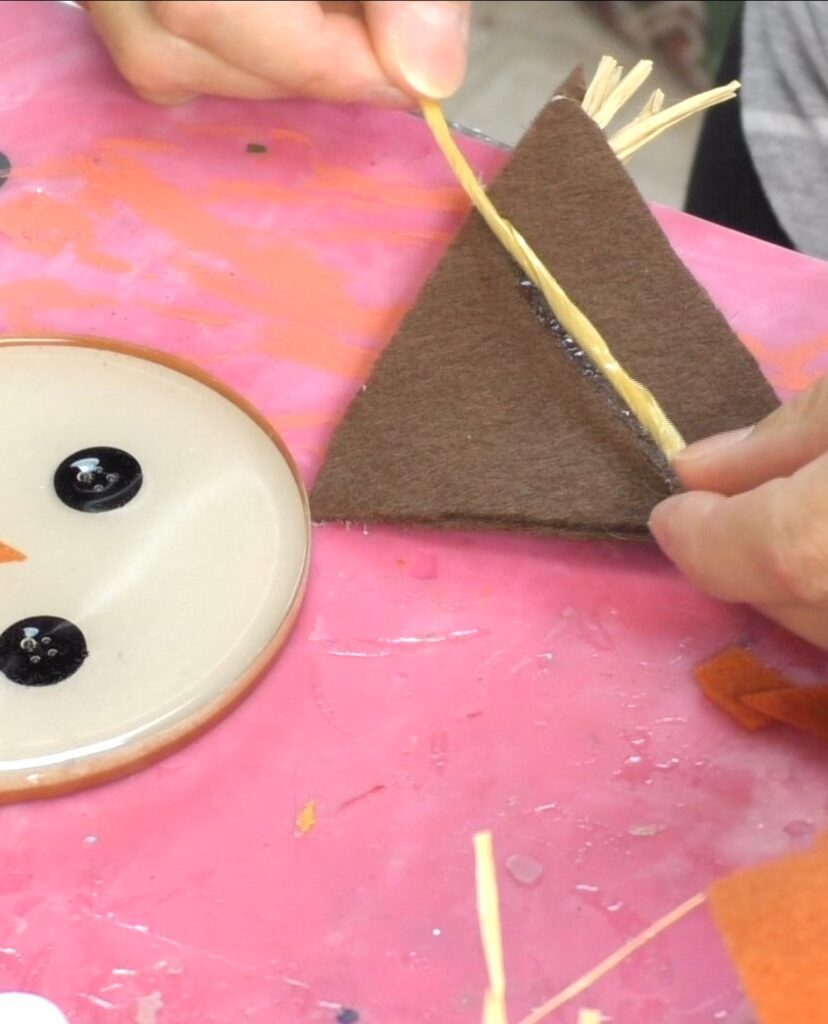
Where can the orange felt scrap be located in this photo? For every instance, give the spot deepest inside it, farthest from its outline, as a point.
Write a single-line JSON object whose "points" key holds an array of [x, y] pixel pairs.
{"points": [[803, 707], [774, 919], [735, 674], [9, 554]]}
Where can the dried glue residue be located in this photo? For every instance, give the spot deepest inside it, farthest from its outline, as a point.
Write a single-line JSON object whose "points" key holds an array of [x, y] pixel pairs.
{"points": [[148, 1008], [591, 1017], [525, 870], [645, 831], [306, 818]]}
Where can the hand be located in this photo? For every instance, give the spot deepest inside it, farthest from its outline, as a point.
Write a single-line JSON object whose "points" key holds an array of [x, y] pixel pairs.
{"points": [[754, 526], [375, 52]]}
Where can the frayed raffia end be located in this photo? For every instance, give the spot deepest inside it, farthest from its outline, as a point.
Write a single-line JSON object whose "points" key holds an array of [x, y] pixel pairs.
{"points": [[608, 92], [606, 95], [488, 912]]}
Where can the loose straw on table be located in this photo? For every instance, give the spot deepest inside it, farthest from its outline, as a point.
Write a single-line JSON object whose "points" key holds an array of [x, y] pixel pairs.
{"points": [[607, 93], [488, 916], [591, 1017], [488, 911]]}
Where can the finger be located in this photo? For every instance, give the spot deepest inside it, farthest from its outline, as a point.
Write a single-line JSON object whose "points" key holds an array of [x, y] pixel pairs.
{"points": [[164, 68], [422, 46], [792, 436], [767, 547], [808, 622], [294, 44]]}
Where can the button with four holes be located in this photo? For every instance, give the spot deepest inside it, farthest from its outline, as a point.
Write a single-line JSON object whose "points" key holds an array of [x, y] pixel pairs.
{"points": [[98, 479], [41, 650]]}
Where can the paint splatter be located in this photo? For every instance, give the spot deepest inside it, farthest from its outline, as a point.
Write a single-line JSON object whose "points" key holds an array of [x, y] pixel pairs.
{"points": [[256, 147], [306, 818]]}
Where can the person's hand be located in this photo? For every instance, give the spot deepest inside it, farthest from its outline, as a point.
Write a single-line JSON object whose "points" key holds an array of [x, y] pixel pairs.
{"points": [[753, 527], [384, 53]]}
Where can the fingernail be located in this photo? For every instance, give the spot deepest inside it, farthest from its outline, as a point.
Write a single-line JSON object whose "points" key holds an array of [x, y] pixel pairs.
{"points": [[388, 96], [713, 445], [660, 524], [431, 47]]}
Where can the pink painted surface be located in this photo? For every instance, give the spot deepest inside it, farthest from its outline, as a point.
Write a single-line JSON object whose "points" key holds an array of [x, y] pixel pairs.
{"points": [[436, 684]]}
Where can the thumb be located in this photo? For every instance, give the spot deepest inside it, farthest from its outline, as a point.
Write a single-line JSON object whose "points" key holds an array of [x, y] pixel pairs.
{"points": [[792, 436], [421, 45]]}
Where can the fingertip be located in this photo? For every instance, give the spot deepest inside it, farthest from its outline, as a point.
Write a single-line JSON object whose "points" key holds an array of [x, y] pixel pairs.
{"points": [[422, 45], [712, 446], [659, 522], [677, 522], [710, 463]]}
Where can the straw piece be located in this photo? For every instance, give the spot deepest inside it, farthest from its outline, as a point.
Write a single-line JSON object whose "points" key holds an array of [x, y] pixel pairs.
{"points": [[652, 106], [488, 914], [603, 82], [612, 961], [638, 133], [623, 92], [638, 399]]}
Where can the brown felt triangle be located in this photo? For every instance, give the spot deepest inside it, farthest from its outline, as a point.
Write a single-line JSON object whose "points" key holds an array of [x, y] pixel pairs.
{"points": [[476, 417]]}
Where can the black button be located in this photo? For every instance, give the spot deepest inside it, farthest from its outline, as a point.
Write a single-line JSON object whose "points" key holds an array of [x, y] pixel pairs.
{"points": [[41, 650], [98, 479]]}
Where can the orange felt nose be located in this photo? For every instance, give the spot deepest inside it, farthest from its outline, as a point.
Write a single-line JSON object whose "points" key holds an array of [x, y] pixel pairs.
{"points": [[9, 554]]}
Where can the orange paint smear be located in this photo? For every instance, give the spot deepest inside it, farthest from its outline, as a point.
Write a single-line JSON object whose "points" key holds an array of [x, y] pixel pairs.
{"points": [[281, 281], [198, 316], [290, 135], [223, 130], [295, 337], [793, 368], [43, 224], [346, 189], [420, 237], [728, 678], [774, 919], [24, 302], [10, 554], [389, 193], [145, 145], [297, 420], [249, 133]]}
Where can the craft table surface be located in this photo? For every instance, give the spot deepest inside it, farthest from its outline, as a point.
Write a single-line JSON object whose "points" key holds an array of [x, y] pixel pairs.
{"points": [[436, 684]]}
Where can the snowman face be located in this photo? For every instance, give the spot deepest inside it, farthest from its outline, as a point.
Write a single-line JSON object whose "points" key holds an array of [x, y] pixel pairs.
{"points": [[153, 552]]}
